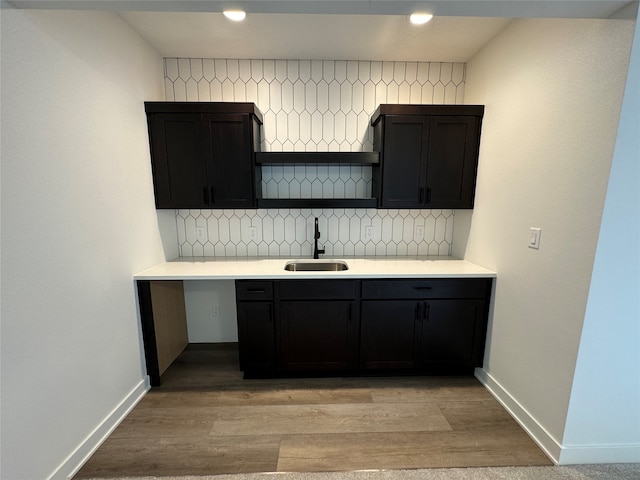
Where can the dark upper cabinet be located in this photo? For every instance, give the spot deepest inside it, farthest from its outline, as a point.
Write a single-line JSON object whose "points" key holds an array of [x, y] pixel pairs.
{"points": [[202, 154], [429, 155]]}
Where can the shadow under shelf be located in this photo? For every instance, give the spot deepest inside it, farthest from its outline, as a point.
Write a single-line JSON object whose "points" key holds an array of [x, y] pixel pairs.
{"points": [[320, 158], [317, 203]]}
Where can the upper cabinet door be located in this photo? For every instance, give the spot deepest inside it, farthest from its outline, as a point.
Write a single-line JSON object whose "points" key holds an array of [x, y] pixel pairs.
{"points": [[404, 161], [230, 168], [429, 155], [202, 153], [178, 162], [452, 161]]}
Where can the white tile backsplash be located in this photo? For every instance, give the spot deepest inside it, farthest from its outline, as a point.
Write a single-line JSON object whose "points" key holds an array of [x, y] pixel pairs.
{"points": [[290, 232], [314, 105]]}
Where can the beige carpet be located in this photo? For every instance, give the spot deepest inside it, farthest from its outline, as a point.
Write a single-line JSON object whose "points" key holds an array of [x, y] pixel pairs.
{"points": [[623, 471]]}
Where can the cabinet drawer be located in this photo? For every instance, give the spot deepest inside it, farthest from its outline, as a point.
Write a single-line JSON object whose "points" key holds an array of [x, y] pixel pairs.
{"points": [[254, 290], [318, 289], [428, 288]]}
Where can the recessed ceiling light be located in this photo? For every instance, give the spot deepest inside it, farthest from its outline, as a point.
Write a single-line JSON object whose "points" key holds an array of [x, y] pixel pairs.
{"points": [[235, 15], [420, 18]]}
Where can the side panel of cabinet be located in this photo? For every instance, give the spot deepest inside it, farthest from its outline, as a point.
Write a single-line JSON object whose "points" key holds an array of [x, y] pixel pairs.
{"points": [[179, 172], [404, 153], [256, 336], [452, 161], [229, 160], [388, 334], [451, 332], [318, 335]]}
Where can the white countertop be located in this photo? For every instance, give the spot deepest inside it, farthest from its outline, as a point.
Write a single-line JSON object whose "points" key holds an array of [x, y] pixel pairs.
{"points": [[209, 268]]}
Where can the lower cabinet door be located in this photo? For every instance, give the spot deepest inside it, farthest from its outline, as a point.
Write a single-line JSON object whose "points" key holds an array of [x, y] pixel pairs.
{"points": [[388, 339], [318, 335], [256, 336], [451, 333]]}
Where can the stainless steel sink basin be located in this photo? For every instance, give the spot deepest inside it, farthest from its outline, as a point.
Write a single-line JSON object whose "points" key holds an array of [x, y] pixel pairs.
{"points": [[310, 266]]}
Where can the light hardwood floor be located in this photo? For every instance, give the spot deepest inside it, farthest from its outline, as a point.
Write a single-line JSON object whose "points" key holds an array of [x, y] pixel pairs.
{"points": [[205, 420]]}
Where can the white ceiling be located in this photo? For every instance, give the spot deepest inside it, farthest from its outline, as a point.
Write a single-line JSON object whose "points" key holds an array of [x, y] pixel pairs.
{"points": [[328, 37], [328, 29]]}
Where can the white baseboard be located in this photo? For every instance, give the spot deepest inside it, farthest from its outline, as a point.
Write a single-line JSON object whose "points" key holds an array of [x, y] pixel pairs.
{"points": [[70, 466], [549, 445], [560, 454], [580, 454]]}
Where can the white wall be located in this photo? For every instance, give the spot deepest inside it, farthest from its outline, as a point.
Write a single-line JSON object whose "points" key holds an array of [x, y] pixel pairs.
{"points": [[203, 300], [607, 377], [552, 90], [78, 221]]}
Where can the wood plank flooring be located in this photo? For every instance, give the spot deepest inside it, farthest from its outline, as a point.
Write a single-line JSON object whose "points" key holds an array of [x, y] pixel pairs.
{"points": [[206, 420]]}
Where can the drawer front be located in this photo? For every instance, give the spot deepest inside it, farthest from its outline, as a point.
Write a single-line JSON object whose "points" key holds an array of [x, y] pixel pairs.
{"points": [[318, 289], [257, 290], [428, 288]]}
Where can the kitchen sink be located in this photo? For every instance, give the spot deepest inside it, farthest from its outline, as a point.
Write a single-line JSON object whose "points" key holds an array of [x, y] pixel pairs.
{"points": [[308, 266]]}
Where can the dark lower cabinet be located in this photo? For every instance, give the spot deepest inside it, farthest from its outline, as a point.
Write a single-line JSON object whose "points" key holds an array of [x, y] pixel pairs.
{"points": [[388, 334], [426, 325], [256, 326], [362, 326], [318, 335], [318, 329], [451, 332], [256, 334], [409, 334]]}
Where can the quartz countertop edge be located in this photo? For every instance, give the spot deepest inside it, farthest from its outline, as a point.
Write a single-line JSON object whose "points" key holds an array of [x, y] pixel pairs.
{"points": [[238, 268]]}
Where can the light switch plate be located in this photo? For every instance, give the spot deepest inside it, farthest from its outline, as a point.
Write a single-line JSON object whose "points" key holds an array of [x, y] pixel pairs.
{"points": [[534, 237]]}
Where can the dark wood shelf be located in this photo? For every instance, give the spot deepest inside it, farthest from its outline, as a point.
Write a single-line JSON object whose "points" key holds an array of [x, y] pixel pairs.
{"points": [[346, 158], [317, 203]]}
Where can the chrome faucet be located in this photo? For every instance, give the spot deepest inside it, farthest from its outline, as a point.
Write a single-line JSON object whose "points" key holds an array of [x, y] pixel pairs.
{"points": [[316, 236]]}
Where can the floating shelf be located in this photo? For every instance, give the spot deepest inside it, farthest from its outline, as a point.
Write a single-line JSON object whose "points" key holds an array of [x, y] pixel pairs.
{"points": [[317, 203], [370, 158]]}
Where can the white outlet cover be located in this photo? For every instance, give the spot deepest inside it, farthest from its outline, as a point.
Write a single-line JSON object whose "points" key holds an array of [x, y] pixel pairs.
{"points": [[368, 232]]}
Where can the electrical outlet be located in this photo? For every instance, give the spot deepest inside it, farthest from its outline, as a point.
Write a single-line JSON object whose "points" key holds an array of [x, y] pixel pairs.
{"points": [[419, 233], [368, 232], [201, 234], [253, 233], [215, 311]]}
